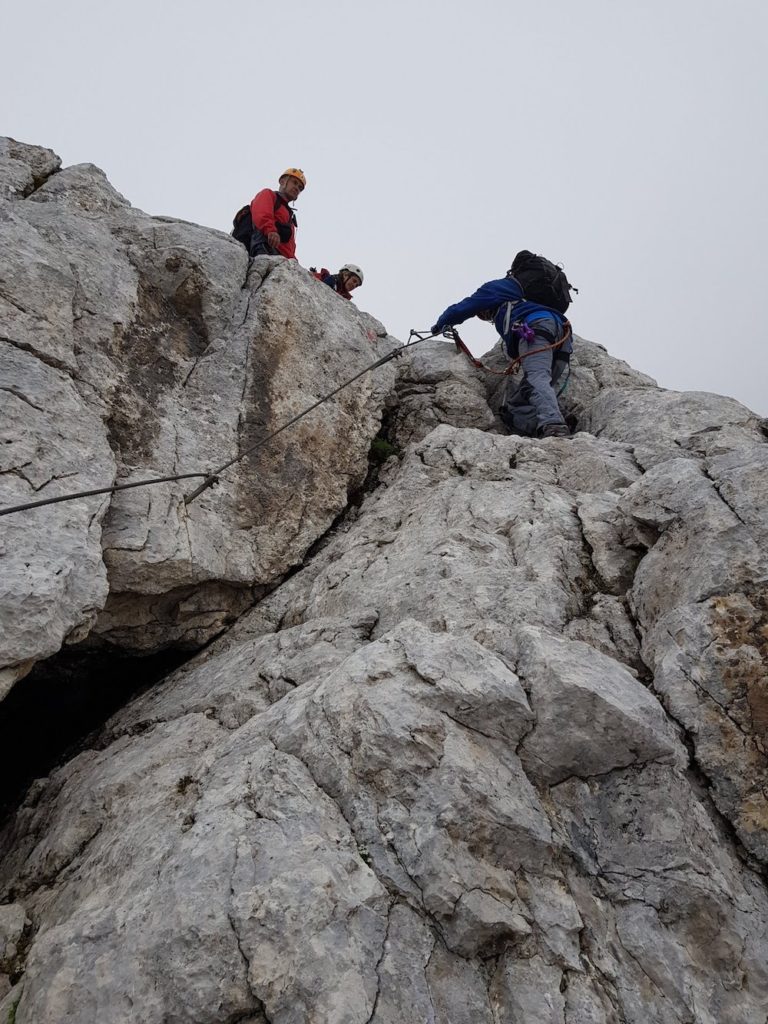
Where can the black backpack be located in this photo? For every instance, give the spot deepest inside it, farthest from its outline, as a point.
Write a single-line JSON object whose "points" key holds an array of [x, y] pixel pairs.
{"points": [[242, 225], [542, 281]]}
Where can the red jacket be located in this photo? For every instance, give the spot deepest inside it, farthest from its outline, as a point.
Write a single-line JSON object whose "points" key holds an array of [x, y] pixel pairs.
{"points": [[264, 216]]}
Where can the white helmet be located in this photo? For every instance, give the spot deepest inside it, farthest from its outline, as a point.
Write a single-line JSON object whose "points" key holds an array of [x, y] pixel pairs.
{"points": [[352, 268]]}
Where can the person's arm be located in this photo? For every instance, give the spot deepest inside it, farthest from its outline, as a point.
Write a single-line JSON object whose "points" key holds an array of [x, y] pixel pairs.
{"points": [[263, 215], [488, 296]]}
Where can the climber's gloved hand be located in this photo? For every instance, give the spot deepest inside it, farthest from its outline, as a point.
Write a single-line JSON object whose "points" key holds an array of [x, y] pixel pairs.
{"points": [[437, 328]]}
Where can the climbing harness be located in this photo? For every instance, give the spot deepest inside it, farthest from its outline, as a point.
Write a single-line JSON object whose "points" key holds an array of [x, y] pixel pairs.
{"points": [[524, 332], [210, 478]]}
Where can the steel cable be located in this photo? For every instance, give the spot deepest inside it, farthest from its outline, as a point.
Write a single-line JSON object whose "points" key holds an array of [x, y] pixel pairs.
{"points": [[210, 478]]}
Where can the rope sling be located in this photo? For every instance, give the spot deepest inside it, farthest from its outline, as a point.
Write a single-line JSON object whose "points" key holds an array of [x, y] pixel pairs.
{"points": [[512, 366]]}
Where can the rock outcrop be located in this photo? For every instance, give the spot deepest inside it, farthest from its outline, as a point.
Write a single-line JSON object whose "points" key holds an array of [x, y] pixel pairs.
{"points": [[135, 347], [495, 752]]}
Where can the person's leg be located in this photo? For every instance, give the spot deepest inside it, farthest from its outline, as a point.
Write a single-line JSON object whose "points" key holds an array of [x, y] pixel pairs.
{"points": [[259, 245], [539, 369], [559, 367], [517, 411]]}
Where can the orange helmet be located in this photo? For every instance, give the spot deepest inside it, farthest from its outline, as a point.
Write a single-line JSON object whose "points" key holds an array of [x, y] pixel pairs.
{"points": [[295, 172]]}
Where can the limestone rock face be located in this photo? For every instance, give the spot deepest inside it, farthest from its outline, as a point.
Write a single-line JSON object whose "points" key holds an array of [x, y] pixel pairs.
{"points": [[495, 752], [437, 384], [24, 168], [134, 347]]}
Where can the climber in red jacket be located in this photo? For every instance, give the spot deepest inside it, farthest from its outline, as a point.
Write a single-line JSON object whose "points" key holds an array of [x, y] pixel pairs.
{"points": [[274, 221]]}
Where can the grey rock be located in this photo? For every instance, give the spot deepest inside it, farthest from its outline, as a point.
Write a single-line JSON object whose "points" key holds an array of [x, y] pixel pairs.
{"points": [[482, 922], [703, 546], [529, 990], [24, 168], [555, 916], [610, 538], [13, 922], [595, 370], [608, 627], [493, 753], [458, 989], [739, 478], [53, 581], [659, 865], [328, 752], [591, 715], [10, 999], [585, 1003], [700, 598], [661, 424], [134, 347], [435, 384], [404, 993]]}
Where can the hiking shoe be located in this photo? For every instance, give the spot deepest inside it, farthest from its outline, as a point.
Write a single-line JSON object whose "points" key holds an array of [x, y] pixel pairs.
{"points": [[554, 430]]}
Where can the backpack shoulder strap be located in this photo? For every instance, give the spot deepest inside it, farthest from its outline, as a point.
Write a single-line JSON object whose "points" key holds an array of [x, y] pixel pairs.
{"points": [[508, 315], [279, 201]]}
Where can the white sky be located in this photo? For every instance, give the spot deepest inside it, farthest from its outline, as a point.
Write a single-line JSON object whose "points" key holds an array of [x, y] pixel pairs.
{"points": [[626, 140]]}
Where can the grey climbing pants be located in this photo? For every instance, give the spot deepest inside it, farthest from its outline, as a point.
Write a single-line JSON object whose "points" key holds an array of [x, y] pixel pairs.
{"points": [[532, 404]]}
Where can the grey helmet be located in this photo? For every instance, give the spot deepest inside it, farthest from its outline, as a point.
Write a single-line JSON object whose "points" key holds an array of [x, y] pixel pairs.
{"points": [[352, 268]]}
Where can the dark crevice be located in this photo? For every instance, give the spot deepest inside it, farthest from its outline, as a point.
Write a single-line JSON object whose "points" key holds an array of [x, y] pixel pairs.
{"points": [[243, 1016], [19, 394], [719, 491], [601, 982], [380, 961], [49, 360], [15, 969], [704, 786], [51, 714], [38, 180], [589, 583], [641, 666], [380, 451], [383, 447], [23, 886]]}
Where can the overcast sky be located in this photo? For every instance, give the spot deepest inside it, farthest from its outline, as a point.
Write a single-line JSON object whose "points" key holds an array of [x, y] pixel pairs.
{"points": [[625, 139]]}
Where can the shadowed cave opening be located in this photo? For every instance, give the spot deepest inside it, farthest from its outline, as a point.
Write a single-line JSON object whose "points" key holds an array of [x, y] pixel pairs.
{"points": [[53, 713], [50, 715]]}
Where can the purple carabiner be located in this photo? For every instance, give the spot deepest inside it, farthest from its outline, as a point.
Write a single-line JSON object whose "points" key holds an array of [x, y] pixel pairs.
{"points": [[523, 333]]}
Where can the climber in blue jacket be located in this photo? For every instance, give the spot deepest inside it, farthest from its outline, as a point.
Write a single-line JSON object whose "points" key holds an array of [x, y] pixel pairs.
{"points": [[528, 330]]}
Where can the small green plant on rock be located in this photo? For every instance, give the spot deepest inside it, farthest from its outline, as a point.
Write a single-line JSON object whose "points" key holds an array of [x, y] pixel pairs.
{"points": [[382, 450]]}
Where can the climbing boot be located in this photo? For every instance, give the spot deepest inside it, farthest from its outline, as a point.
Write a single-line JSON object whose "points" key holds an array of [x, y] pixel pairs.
{"points": [[554, 430]]}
